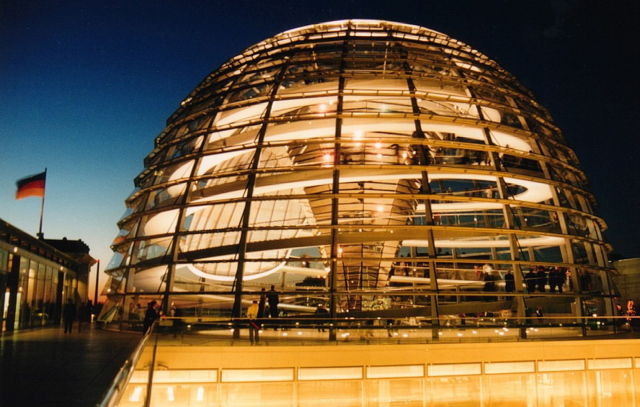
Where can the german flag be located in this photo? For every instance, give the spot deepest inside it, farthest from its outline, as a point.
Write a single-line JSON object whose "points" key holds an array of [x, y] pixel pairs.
{"points": [[31, 186]]}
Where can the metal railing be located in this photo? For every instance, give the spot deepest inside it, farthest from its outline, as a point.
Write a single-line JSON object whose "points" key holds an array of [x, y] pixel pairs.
{"points": [[318, 330], [113, 394]]}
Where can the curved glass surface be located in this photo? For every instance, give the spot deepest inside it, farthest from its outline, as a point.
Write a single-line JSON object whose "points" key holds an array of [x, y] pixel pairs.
{"points": [[369, 166]]}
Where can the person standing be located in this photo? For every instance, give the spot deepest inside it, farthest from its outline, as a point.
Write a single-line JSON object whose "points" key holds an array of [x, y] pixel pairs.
{"points": [[509, 283], [273, 298], [322, 314], [254, 328], [68, 314], [530, 280], [262, 303], [149, 316]]}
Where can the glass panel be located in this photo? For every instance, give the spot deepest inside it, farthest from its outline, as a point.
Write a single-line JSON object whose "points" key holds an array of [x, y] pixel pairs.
{"points": [[158, 223], [394, 392], [561, 389], [152, 248], [560, 365], [179, 394], [256, 375], [375, 372], [162, 197], [619, 363], [337, 393], [256, 394], [509, 390], [459, 369], [459, 391], [176, 376], [610, 388], [509, 367], [329, 373]]}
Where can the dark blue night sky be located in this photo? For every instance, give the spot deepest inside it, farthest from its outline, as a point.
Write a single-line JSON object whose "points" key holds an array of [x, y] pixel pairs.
{"points": [[86, 86]]}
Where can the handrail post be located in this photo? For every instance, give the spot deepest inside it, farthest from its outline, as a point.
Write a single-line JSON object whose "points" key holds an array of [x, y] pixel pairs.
{"points": [[152, 331]]}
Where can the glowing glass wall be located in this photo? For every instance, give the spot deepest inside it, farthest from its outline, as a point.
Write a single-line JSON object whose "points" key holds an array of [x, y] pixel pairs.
{"points": [[353, 163]]}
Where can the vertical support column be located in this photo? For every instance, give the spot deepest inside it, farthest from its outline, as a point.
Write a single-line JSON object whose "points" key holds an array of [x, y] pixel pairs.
{"points": [[174, 255], [246, 213], [12, 283], [514, 247], [128, 280], [566, 249], [59, 297], [3, 290], [425, 190], [608, 293], [171, 267], [567, 253], [335, 190]]}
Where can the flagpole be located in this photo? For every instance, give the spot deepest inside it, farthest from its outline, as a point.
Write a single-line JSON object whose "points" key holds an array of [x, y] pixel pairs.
{"points": [[40, 235], [95, 296]]}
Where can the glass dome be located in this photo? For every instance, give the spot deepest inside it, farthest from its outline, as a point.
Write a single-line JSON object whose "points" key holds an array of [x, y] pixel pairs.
{"points": [[376, 167]]}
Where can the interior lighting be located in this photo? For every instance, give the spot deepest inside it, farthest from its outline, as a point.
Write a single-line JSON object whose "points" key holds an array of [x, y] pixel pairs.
{"points": [[405, 335], [501, 333], [170, 394], [206, 191], [15, 250], [285, 334], [459, 334], [474, 332], [299, 333], [357, 136], [135, 395], [200, 394]]}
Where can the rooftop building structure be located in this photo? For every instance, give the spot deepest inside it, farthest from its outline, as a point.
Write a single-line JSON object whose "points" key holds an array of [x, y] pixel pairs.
{"points": [[37, 276], [382, 169]]}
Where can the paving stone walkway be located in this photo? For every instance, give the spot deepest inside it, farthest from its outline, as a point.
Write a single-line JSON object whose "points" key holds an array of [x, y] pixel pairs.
{"points": [[47, 367]]}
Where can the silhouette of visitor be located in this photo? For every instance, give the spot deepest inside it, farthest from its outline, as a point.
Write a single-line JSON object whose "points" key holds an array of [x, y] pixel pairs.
{"points": [[68, 314], [149, 316], [273, 298]]}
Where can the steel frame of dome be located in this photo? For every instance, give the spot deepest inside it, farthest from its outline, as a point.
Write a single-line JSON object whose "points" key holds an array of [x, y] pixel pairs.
{"points": [[370, 154]]}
